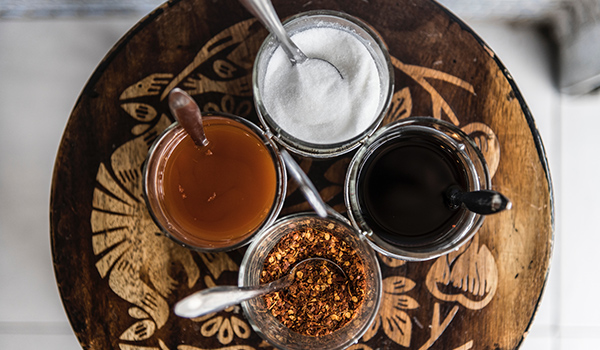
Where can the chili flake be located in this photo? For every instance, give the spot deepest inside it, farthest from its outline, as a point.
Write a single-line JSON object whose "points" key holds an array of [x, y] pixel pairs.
{"points": [[321, 299]]}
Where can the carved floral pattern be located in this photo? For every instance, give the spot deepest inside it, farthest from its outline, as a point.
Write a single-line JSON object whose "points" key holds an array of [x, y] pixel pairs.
{"points": [[468, 276], [392, 318], [219, 77]]}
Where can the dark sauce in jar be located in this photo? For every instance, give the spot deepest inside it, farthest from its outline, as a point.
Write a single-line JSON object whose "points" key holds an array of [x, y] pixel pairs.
{"points": [[401, 190]]}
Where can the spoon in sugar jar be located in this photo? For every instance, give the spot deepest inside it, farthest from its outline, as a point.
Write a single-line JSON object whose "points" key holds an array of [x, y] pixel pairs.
{"points": [[218, 298], [264, 11]]}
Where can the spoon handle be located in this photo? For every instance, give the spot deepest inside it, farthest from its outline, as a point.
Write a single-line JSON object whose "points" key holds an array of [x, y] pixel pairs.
{"points": [[483, 202], [187, 113], [306, 186], [264, 11], [218, 298]]}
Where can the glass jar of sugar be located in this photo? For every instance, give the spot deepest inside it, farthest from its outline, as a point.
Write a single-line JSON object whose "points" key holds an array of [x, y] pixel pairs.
{"points": [[318, 109]]}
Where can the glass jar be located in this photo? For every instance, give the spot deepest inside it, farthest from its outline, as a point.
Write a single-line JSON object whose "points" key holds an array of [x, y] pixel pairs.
{"points": [[295, 106], [386, 220], [240, 214]]}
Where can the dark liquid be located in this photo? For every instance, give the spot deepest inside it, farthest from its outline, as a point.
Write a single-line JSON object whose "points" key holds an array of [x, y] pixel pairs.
{"points": [[402, 188]]}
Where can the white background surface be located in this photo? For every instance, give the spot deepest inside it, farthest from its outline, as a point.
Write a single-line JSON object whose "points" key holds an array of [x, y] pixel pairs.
{"points": [[44, 64]]}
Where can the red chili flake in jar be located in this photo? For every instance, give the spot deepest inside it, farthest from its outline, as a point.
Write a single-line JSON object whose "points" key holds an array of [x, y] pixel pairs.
{"points": [[321, 299]]}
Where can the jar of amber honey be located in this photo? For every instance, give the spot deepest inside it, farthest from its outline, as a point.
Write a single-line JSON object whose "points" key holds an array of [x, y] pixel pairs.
{"points": [[216, 197]]}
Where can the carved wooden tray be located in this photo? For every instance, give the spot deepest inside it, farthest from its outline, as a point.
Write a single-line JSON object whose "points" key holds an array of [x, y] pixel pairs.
{"points": [[119, 280]]}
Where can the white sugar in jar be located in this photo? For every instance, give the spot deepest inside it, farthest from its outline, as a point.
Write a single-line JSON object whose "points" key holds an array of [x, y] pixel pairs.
{"points": [[314, 108], [314, 102]]}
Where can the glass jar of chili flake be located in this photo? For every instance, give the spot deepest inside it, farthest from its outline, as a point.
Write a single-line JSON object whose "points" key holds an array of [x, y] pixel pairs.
{"points": [[324, 308]]}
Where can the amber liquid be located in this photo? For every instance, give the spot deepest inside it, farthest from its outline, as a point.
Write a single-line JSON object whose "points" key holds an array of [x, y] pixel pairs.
{"points": [[402, 191], [218, 195]]}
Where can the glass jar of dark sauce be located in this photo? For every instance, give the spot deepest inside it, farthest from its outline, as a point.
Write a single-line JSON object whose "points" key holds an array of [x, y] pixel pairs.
{"points": [[402, 186], [397, 185]]}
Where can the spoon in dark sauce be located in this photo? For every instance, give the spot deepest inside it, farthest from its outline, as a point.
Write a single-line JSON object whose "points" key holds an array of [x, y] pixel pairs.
{"points": [[483, 202]]}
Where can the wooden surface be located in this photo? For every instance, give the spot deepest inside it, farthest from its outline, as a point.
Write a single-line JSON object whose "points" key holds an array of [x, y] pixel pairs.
{"points": [[119, 280]]}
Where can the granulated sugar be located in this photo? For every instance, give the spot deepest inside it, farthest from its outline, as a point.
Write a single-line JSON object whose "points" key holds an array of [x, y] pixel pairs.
{"points": [[310, 101]]}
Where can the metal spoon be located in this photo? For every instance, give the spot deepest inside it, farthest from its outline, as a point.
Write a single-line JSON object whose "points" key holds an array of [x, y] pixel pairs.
{"points": [[264, 11], [306, 186], [218, 298], [187, 113], [483, 202]]}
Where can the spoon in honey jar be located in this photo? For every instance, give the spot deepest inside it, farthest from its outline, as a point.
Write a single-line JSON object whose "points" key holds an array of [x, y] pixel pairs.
{"points": [[264, 11], [187, 113], [218, 298]]}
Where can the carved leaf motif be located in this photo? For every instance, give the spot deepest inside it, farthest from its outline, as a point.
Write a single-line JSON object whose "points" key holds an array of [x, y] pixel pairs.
{"points": [[200, 84], [487, 141], [140, 129], [217, 263], [396, 324], [127, 160], [211, 327], [233, 347], [438, 103], [370, 333], [138, 313], [470, 278], [396, 285], [225, 335], [125, 235], [337, 171], [149, 86], [407, 303], [468, 345], [240, 42], [241, 328], [225, 329], [398, 328], [391, 262], [140, 111], [139, 331], [474, 272], [230, 105], [400, 106], [224, 69], [329, 192]]}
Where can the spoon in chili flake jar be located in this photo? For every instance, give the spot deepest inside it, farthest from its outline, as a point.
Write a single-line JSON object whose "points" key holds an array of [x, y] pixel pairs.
{"points": [[218, 298]]}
